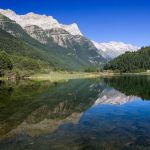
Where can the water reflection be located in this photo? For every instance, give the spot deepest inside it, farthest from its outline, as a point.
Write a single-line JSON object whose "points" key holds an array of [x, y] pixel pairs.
{"points": [[131, 85], [106, 114], [34, 102]]}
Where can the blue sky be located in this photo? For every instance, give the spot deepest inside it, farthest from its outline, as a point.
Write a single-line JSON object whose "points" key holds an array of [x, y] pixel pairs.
{"points": [[100, 20]]}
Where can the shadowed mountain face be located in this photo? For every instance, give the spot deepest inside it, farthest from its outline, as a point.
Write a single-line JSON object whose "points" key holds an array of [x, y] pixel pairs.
{"points": [[77, 114]]}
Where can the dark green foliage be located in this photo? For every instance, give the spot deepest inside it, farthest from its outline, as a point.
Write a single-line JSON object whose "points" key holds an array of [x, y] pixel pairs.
{"points": [[15, 46], [5, 63], [92, 69], [18, 63], [131, 61], [27, 63]]}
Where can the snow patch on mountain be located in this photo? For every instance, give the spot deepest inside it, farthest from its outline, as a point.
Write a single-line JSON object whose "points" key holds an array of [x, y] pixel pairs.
{"points": [[114, 49], [42, 21]]}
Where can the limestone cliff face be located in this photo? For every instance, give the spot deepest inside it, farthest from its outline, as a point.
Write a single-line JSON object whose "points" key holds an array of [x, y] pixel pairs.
{"points": [[42, 21]]}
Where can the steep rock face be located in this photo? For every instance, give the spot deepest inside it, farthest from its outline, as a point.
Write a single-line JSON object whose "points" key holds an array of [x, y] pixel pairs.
{"points": [[80, 46], [43, 21], [60, 36], [84, 46], [114, 49], [37, 33], [10, 26], [16, 30]]}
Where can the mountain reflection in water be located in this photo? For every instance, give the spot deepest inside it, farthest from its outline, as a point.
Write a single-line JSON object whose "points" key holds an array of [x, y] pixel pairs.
{"points": [[109, 113]]}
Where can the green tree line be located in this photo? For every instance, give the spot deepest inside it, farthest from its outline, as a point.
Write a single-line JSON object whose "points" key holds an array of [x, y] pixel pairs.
{"points": [[21, 63], [131, 61]]}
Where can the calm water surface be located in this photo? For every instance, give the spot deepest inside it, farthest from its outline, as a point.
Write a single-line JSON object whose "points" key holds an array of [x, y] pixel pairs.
{"points": [[101, 114]]}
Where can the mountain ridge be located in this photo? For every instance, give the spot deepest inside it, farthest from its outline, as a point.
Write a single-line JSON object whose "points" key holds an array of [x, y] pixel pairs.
{"points": [[113, 49], [108, 50], [43, 21]]}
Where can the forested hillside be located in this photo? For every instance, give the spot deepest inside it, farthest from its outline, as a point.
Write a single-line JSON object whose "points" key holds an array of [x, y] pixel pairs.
{"points": [[131, 61], [17, 55], [18, 65]]}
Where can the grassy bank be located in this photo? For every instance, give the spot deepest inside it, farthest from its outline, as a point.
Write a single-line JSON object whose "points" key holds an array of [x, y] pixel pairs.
{"points": [[49, 74], [64, 75], [56, 76]]}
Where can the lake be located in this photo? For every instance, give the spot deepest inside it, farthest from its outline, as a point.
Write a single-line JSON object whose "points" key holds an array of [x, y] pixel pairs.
{"points": [[111, 113]]}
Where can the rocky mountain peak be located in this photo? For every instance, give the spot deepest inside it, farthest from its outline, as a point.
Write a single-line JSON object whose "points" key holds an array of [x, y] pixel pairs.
{"points": [[42, 21]]}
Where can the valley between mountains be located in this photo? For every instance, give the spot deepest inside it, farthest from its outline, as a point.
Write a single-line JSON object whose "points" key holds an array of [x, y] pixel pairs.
{"points": [[34, 43]]}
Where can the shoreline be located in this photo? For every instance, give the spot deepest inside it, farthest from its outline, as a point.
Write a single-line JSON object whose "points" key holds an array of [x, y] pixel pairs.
{"points": [[56, 76]]}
